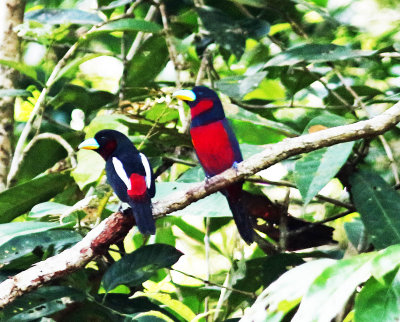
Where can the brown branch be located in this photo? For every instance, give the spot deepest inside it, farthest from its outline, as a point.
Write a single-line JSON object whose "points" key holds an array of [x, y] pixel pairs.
{"points": [[117, 225]]}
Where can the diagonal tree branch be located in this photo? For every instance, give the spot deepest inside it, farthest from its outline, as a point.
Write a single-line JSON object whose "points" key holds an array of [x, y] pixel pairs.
{"points": [[117, 225]]}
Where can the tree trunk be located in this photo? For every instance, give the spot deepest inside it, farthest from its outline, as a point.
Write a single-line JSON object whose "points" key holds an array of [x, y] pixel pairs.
{"points": [[11, 15]]}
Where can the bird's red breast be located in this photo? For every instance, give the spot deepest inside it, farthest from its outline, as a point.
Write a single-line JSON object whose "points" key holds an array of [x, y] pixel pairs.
{"points": [[138, 187], [213, 147]]}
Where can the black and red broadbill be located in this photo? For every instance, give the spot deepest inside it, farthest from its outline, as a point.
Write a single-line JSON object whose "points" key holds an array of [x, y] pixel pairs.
{"points": [[128, 172], [216, 147]]}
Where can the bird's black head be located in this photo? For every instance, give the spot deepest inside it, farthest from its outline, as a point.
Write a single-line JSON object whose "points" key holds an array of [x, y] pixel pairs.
{"points": [[106, 142], [204, 103]]}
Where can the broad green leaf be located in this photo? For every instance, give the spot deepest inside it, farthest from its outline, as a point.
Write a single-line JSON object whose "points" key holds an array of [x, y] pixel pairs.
{"points": [[48, 209], [193, 232], [238, 86], [63, 16], [253, 3], [387, 260], [361, 90], [283, 295], [21, 198], [314, 170], [330, 291], [22, 68], [43, 155], [115, 4], [237, 113], [379, 206], [42, 302], [378, 302], [137, 267], [230, 33], [72, 66], [261, 272], [22, 245], [90, 168], [86, 99], [148, 62], [296, 79], [18, 229], [214, 205], [180, 309], [315, 53], [14, 93], [129, 24], [355, 231]]}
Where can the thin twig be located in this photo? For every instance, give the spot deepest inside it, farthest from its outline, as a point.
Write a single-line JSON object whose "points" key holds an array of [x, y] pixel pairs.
{"points": [[140, 35], [358, 101], [207, 282], [55, 137], [292, 185]]}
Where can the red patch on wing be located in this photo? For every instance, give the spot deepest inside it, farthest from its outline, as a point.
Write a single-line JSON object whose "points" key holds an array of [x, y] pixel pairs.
{"points": [[213, 147], [138, 187], [200, 107]]}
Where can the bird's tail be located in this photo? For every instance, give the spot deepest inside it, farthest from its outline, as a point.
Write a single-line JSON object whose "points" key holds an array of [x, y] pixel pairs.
{"points": [[143, 216], [242, 220]]}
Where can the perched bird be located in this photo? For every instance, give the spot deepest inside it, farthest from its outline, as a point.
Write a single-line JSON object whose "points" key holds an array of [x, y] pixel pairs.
{"points": [[128, 172], [216, 147]]}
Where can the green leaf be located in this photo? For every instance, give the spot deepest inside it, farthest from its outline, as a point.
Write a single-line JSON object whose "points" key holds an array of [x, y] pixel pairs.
{"points": [[238, 86], [283, 295], [21, 198], [48, 209], [137, 267], [15, 93], [115, 4], [360, 90], [89, 169], [355, 231], [379, 206], [42, 302], [296, 79], [387, 260], [19, 246], [214, 205], [29, 71], [314, 170], [17, 229], [316, 53], [129, 24], [86, 99], [378, 302], [193, 232], [69, 69], [63, 16], [261, 272], [43, 155], [230, 33], [330, 291], [237, 113], [148, 62]]}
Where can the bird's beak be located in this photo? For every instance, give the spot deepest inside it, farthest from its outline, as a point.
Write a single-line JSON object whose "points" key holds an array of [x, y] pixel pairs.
{"points": [[89, 144], [185, 95]]}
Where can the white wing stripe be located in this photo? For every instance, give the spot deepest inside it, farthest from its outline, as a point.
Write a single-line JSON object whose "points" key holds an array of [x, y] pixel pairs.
{"points": [[119, 168], [147, 168]]}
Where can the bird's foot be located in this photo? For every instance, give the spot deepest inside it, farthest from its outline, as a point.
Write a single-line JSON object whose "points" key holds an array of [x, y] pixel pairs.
{"points": [[235, 166]]}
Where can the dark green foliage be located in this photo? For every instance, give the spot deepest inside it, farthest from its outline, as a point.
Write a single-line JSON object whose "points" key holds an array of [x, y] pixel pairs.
{"points": [[283, 68]]}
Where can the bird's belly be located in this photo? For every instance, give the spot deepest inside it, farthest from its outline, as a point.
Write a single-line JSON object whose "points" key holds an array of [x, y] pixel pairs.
{"points": [[213, 147]]}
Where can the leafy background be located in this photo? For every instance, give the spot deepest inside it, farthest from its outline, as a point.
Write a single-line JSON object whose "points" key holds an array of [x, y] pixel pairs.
{"points": [[282, 68]]}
